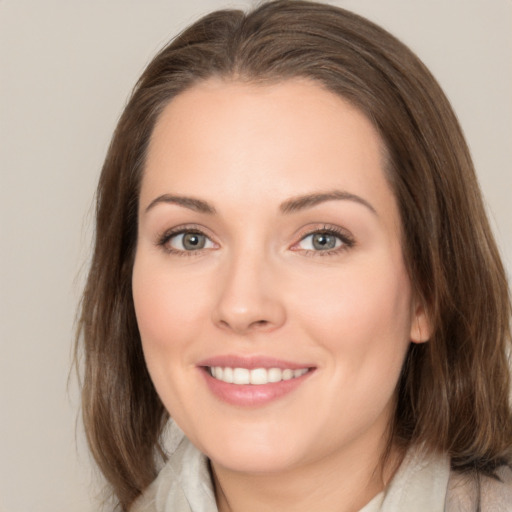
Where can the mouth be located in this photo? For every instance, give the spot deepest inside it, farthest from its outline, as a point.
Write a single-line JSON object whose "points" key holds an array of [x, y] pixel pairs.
{"points": [[254, 376], [253, 381]]}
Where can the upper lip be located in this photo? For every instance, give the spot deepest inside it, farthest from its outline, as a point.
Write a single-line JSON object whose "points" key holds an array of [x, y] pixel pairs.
{"points": [[251, 362]]}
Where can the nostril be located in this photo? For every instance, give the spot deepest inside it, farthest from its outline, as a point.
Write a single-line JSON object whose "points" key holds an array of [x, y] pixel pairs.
{"points": [[241, 326], [260, 323]]}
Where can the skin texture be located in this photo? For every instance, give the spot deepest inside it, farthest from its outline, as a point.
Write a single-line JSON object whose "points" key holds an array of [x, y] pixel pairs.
{"points": [[260, 288]]}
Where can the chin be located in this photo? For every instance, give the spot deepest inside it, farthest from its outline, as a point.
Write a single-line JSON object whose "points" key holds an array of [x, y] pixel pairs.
{"points": [[256, 453], [253, 461]]}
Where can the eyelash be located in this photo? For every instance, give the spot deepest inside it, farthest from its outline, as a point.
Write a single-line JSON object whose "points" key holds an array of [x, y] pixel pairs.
{"points": [[346, 239], [165, 237]]}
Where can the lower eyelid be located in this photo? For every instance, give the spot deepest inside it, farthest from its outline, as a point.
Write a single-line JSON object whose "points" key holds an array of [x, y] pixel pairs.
{"points": [[345, 240], [165, 239], [339, 241], [208, 241]]}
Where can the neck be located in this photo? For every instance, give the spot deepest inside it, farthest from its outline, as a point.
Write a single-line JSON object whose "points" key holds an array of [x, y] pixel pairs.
{"points": [[340, 482]]}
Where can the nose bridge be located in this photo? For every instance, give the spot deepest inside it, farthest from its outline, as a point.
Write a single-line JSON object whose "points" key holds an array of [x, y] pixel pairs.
{"points": [[248, 294]]}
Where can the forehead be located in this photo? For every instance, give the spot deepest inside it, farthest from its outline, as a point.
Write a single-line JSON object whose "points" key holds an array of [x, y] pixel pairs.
{"points": [[228, 139]]}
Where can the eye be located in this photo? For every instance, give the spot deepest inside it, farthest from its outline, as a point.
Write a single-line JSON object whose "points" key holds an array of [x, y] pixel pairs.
{"points": [[326, 240], [184, 241], [320, 242]]}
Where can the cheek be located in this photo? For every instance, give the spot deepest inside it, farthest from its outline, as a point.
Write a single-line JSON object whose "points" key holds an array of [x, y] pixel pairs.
{"points": [[167, 306], [360, 299], [362, 316], [168, 311]]}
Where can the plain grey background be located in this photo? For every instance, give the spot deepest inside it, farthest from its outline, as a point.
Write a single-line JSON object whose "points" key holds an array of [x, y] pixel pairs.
{"points": [[66, 69]]}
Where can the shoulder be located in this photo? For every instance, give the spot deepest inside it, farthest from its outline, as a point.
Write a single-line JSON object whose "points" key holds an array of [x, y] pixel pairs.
{"points": [[468, 492]]}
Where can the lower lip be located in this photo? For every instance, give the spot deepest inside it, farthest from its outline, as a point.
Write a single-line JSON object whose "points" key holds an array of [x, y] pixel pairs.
{"points": [[251, 395]]}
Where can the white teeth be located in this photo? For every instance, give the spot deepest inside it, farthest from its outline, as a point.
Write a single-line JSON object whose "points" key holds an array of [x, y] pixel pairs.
{"points": [[256, 376], [274, 375], [287, 374], [259, 376], [240, 376], [227, 375]]}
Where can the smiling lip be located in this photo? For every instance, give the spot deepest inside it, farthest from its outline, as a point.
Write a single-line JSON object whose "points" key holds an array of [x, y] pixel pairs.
{"points": [[271, 378]]}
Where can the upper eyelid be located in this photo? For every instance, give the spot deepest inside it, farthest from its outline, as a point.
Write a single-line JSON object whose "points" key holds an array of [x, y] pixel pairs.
{"points": [[325, 228], [163, 237], [185, 228], [347, 239], [345, 235]]}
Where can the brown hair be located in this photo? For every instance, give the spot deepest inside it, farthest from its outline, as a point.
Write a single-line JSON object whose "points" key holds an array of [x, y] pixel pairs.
{"points": [[453, 394]]}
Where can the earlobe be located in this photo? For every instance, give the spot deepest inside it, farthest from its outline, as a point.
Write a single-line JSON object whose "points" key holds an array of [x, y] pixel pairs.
{"points": [[421, 327]]}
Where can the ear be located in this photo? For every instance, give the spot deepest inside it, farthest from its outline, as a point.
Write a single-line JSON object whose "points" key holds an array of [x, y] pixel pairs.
{"points": [[421, 326]]}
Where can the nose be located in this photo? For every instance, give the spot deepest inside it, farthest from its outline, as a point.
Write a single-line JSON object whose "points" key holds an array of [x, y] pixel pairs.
{"points": [[249, 296]]}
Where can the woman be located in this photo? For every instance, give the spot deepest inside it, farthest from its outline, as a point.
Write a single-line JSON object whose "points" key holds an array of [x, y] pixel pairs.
{"points": [[293, 262]]}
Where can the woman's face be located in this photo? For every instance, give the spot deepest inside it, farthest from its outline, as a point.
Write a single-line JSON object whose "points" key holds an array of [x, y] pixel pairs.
{"points": [[269, 255]]}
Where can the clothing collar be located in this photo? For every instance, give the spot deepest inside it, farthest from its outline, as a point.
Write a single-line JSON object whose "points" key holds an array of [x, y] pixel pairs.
{"points": [[419, 484], [184, 484]]}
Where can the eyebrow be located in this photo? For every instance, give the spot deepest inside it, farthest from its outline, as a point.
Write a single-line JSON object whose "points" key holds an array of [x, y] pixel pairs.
{"points": [[292, 205], [198, 205], [298, 203]]}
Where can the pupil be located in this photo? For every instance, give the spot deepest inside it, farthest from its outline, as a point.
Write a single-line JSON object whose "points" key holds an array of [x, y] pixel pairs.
{"points": [[193, 241], [324, 241]]}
